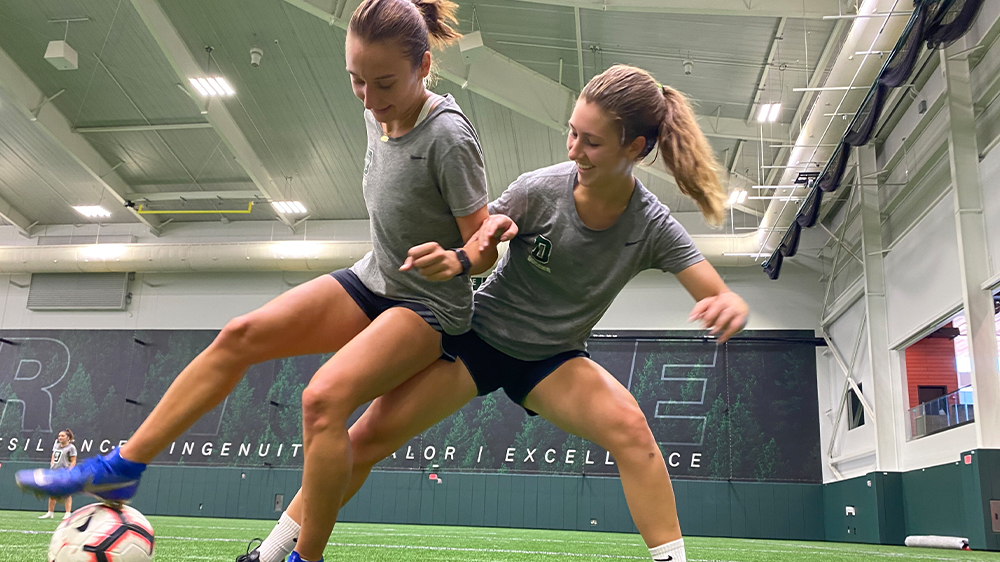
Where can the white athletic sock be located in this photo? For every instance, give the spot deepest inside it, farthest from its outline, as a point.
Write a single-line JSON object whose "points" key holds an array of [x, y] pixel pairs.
{"points": [[281, 542], [670, 552]]}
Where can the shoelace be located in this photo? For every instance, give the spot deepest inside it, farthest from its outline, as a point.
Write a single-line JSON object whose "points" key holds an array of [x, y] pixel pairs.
{"points": [[250, 546]]}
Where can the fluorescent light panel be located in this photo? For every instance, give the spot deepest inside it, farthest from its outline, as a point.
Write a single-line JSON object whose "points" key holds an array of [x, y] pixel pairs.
{"points": [[289, 207], [92, 211], [212, 86], [769, 112], [201, 89], [765, 108], [737, 196], [775, 112]]}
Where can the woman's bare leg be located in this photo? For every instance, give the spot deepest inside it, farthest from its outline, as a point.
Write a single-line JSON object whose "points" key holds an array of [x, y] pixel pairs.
{"points": [[396, 346], [315, 317], [398, 416], [583, 399]]}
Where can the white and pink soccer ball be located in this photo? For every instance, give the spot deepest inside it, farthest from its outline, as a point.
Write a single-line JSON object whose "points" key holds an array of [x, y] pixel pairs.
{"points": [[101, 533]]}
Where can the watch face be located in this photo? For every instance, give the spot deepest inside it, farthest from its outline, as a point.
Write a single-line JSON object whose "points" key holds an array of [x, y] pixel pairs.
{"points": [[463, 259]]}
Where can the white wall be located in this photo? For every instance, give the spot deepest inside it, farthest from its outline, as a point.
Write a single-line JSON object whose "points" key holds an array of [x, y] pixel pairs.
{"points": [[206, 301], [159, 301], [854, 451], [989, 173], [656, 301], [923, 279]]}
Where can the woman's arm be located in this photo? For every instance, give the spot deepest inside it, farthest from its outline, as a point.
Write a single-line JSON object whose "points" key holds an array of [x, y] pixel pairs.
{"points": [[481, 233], [72, 461], [720, 310]]}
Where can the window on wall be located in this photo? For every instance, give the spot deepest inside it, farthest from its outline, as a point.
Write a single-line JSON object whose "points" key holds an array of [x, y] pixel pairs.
{"points": [[938, 379], [857, 410], [963, 361]]}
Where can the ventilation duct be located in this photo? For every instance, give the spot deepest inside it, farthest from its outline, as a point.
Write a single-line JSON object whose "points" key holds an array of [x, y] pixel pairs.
{"points": [[78, 291], [318, 256]]}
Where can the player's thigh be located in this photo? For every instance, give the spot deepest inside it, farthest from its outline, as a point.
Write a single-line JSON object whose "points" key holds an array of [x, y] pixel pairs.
{"points": [[394, 347], [582, 398], [318, 316], [411, 408]]}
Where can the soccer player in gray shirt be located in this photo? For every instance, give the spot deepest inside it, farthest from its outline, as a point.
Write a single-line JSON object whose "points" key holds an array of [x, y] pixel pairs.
{"points": [[579, 231], [63, 457], [425, 192]]}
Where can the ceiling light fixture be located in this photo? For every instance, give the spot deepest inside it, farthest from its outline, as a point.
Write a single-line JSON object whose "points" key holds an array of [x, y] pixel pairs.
{"points": [[298, 249], [212, 86], [769, 112], [92, 211], [737, 197], [289, 207], [104, 251]]}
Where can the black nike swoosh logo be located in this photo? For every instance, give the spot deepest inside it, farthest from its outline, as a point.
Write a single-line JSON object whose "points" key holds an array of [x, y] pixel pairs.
{"points": [[83, 528], [667, 559], [627, 244]]}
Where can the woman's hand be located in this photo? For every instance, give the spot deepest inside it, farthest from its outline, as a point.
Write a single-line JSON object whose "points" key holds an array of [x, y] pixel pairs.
{"points": [[433, 262], [722, 315], [500, 228]]}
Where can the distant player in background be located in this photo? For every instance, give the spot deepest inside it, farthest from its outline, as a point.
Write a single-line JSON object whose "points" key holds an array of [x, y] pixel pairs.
{"points": [[63, 457]]}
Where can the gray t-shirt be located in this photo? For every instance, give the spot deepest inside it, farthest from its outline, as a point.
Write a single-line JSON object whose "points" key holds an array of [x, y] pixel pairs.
{"points": [[414, 187], [559, 276], [61, 455]]}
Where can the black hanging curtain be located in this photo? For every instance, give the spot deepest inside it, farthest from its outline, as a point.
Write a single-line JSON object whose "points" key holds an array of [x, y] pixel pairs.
{"points": [[809, 211], [772, 267], [863, 126], [790, 242], [904, 55], [939, 23], [831, 177], [950, 20]]}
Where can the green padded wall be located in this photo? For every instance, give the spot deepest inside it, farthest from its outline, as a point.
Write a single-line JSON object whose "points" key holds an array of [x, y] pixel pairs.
{"points": [[861, 494], [951, 499], [738, 509]]}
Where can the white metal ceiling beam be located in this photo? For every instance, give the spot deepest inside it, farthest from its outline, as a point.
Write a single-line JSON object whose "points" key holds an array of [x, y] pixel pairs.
{"points": [[762, 83], [53, 123], [811, 9], [579, 45], [185, 66], [193, 196], [11, 215], [807, 98], [482, 70], [486, 72], [738, 129], [142, 128]]}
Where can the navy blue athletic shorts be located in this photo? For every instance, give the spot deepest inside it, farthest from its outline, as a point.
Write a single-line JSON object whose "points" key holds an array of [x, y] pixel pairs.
{"points": [[373, 305], [492, 369]]}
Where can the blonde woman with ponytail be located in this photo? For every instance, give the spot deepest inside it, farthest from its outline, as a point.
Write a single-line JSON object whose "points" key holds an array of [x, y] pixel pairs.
{"points": [[424, 186], [578, 231]]}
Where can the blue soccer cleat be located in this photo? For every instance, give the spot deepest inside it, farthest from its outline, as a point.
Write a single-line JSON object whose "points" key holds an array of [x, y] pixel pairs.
{"points": [[110, 478], [294, 557]]}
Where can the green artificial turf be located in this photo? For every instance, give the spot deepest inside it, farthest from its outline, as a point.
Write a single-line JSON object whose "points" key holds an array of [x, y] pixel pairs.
{"points": [[24, 538]]}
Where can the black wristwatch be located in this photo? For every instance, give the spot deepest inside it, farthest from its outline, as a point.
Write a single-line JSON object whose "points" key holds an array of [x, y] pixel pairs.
{"points": [[463, 259]]}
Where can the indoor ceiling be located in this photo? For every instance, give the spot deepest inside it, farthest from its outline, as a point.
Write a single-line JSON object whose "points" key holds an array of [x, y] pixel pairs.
{"points": [[297, 131]]}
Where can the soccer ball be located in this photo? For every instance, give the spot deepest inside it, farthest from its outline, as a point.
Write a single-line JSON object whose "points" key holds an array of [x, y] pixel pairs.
{"points": [[101, 533]]}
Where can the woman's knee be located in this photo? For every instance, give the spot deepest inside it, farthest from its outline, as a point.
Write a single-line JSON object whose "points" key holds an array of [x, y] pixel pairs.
{"points": [[630, 434], [237, 335], [323, 409], [370, 443]]}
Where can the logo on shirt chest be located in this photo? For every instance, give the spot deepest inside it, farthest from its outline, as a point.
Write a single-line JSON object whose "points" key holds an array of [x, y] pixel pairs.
{"points": [[540, 253], [369, 156]]}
